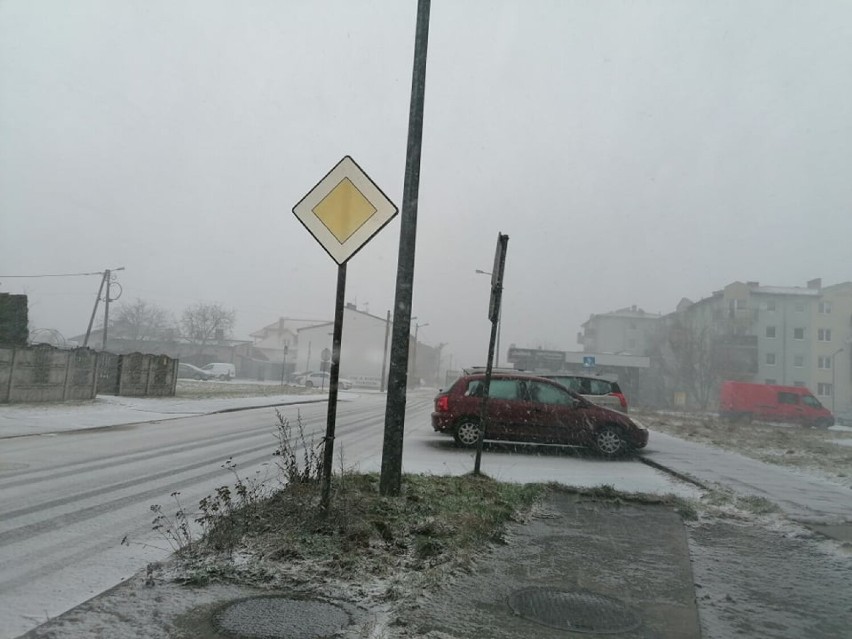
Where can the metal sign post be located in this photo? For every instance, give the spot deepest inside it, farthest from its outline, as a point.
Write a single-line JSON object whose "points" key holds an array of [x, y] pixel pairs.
{"points": [[494, 315], [343, 212]]}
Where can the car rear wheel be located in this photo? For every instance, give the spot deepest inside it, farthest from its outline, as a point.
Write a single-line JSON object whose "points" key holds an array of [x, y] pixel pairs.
{"points": [[309, 384], [610, 442], [467, 432]]}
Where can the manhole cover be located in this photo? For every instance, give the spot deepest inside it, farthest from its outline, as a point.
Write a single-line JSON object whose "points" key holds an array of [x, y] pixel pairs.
{"points": [[577, 611], [280, 618]]}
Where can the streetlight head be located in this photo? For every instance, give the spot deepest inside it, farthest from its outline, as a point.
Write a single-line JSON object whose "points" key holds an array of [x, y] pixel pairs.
{"points": [[481, 272]]}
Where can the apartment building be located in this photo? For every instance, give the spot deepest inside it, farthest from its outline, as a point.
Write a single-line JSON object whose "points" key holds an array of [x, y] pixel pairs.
{"points": [[627, 331], [790, 335]]}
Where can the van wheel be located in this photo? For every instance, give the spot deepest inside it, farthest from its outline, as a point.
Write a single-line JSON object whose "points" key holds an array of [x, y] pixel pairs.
{"points": [[822, 423], [467, 432], [610, 442]]}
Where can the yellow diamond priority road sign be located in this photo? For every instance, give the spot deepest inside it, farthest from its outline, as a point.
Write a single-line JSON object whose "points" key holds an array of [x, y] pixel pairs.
{"points": [[345, 210]]}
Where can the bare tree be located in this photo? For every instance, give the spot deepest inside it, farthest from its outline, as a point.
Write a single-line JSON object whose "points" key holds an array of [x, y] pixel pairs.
{"points": [[203, 323], [140, 320], [694, 367]]}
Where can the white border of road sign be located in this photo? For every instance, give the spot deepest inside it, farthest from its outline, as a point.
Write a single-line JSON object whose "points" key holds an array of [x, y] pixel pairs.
{"points": [[385, 210]]}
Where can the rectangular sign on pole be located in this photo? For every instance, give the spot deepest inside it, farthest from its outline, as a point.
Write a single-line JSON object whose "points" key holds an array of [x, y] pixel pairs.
{"points": [[497, 277]]}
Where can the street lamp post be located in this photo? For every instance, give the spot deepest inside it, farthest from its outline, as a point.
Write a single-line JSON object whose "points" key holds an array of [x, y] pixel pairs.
{"points": [[499, 325]]}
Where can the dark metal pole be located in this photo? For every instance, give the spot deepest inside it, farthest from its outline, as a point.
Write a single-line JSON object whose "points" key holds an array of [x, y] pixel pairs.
{"points": [[328, 447], [494, 313], [483, 421], [391, 476], [385, 352]]}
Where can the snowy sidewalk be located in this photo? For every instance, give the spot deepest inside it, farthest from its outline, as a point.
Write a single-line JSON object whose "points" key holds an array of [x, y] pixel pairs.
{"points": [[107, 410], [803, 497]]}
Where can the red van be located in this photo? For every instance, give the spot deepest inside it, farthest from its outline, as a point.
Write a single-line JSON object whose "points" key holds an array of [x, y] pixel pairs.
{"points": [[768, 402]]}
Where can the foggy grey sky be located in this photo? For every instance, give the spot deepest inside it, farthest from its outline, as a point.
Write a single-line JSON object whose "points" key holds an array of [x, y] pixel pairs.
{"points": [[634, 152]]}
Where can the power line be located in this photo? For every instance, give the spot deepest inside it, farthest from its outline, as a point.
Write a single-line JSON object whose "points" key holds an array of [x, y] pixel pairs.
{"points": [[57, 274]]}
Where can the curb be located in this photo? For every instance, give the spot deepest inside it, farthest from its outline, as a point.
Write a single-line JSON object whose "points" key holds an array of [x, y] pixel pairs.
{"points": [[673, 473]]}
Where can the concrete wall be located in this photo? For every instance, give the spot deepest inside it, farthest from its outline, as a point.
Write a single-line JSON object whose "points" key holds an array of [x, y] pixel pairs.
{"points": [[46, 374], [143, 375]]}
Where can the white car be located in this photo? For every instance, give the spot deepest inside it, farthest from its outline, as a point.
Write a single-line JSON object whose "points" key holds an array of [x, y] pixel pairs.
{"points": [[322, 380], [221, 370]]}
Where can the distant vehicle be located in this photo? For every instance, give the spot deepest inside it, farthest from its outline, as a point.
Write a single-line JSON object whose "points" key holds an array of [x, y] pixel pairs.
{"points": [[188, 371], [322, 380], [221, 370], [526, 408], [598, 390], [773, 403]]}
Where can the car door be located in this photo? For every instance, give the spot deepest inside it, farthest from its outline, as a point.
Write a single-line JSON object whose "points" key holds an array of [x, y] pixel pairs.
{"points": [[787, 408], [502, 409], [551, 414]]}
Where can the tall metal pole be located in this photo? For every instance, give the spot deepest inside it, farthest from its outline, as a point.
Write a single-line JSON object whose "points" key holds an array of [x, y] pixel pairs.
{"points": [[391, 475], [107, 277], [385, 352], [328, 448]]}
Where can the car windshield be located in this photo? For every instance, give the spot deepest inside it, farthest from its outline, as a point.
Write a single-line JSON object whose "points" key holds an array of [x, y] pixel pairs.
{"points": [[635, 215]]}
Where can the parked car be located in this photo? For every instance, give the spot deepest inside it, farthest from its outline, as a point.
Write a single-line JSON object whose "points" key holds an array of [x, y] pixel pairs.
{"points": [[770, 402], [527, 408], [221, 370], [598, 390], [188, 371], [322, 380]]}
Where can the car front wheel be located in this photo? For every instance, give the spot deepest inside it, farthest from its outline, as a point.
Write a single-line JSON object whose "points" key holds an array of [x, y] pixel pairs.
{"points": [[467, 432], [309, 384], [610, 442]]}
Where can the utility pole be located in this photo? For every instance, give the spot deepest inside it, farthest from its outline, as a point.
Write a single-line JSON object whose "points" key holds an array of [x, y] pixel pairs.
{"points": [[107, 276], [95, 309]]}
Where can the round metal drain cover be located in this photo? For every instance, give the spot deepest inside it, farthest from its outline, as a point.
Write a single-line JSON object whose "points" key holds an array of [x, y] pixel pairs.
{"points": [[281, 618], [578, 611]]}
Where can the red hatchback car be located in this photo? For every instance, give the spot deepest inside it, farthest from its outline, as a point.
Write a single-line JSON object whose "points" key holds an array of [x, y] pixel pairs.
{"points": [[532, 409]]}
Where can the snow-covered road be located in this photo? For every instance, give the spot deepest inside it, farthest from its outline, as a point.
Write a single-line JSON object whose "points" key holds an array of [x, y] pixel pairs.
{"points": [[71, 496]]}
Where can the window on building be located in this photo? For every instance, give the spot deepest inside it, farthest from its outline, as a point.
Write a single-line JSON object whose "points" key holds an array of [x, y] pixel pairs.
{"points": [[770, 331], [798, 361], [800, 307], [770, 306], [824, 390], [631, 343], [825, 308], [739, 304], [770, 359], [823, 362], [771, 381], [824, 335], [798, 333], [799, 384]]}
